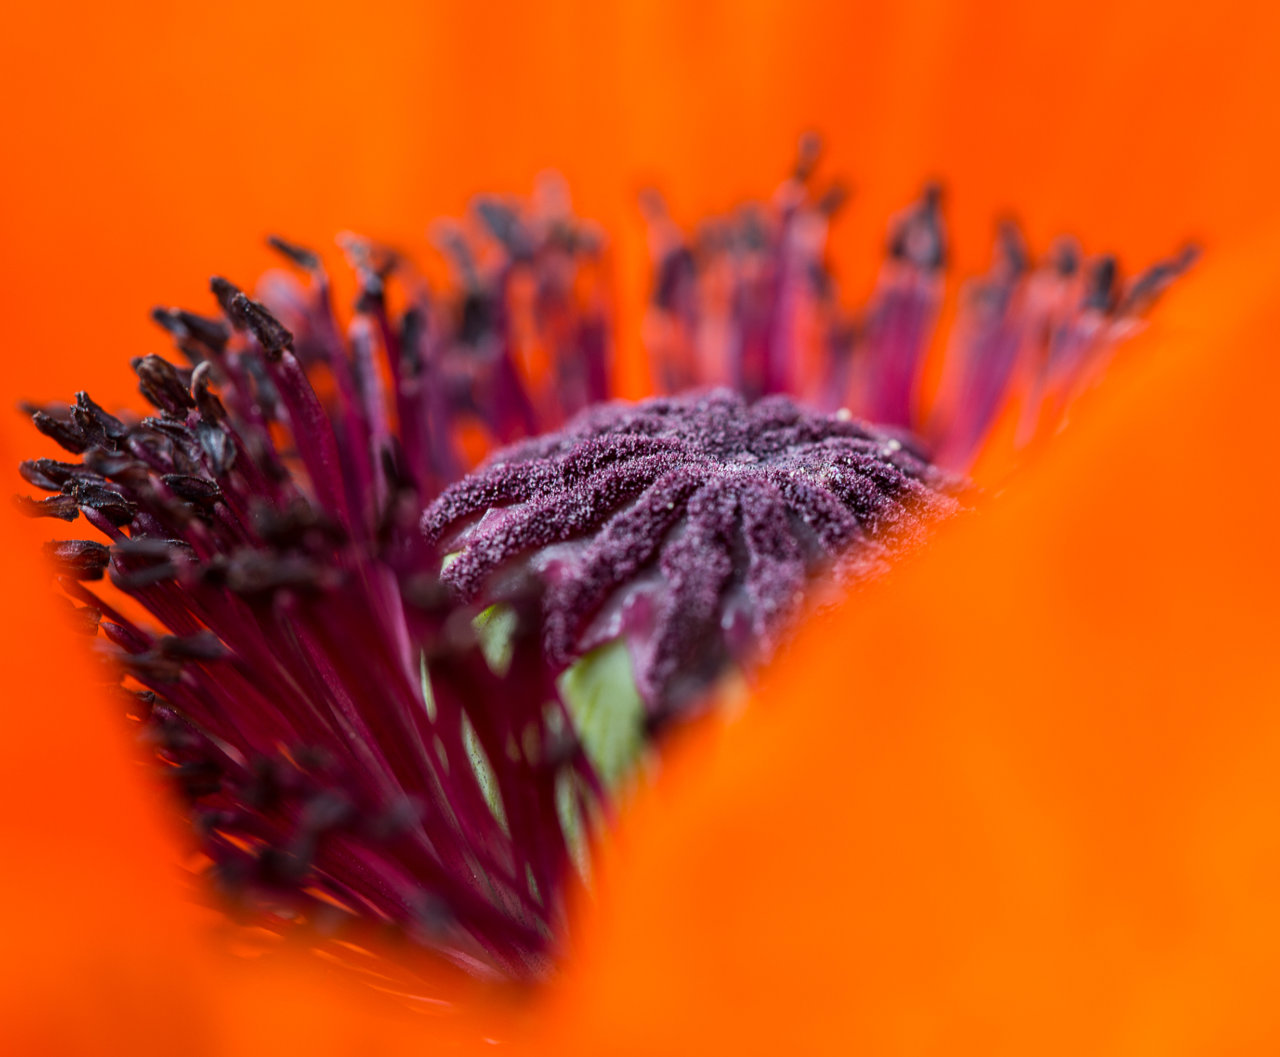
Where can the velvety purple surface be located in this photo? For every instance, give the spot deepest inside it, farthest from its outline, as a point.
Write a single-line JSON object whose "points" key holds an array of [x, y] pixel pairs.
{"points": [[691, 525]]}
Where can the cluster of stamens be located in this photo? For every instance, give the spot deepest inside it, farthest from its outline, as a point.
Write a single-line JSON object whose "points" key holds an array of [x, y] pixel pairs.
{"points": [[345, 751], [302, 581], [748, 301]]}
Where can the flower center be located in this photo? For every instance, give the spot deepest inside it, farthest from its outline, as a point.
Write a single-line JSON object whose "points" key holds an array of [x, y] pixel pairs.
{"points": [[395, 696], [690, 527]]}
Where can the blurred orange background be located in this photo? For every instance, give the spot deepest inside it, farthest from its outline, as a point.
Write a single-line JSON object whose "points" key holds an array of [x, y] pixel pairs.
{"points": [[148, 147]]}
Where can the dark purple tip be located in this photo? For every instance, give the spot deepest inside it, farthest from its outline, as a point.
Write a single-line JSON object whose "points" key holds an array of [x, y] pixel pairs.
{"points": [[225, 291], [79, 559], [62, 507], [272, 335], [304, 258], [163, 384], [66, 434], [188, 326]]}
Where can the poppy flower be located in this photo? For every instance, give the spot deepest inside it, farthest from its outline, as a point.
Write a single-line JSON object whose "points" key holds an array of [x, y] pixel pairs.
{"points": [[1126, 924]]}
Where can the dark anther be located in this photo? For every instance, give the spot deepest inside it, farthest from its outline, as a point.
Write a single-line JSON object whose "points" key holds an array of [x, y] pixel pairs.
{"points": [[372, 296], [1100, 291], [918, 239], [128, 639], [291, 526], [152, 547], [287, 867], [368, 258], [168, 728], [656, 721], [266, 789], [66, 434], [146, 561], [833, 199], [326, 810], [560, 750], [413, 327], [452, 244], [426, 593], [400, 817], [372, 265], [1013, 248], [110, 504], [202, 646], [392, 459], [175, 432], [434, 916], [208, 821], [268, 397], [63, 507], [300, 255], [675, 272], [79, 559], [151, 667], [134, 579], [225, 291], [197, 490], [48, 474], [188, 327], [477, 318], [198, 778], [96, 423], [163, 384], [117, 466], [254, 573], [1066, 258], [753, 232], [313, 758], [808, 153], [272, 335], [504, 225], [217, 447], [1148, 287]]}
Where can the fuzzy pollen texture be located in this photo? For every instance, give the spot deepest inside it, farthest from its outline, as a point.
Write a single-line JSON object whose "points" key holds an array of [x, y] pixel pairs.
{"points": [[690, 526]]}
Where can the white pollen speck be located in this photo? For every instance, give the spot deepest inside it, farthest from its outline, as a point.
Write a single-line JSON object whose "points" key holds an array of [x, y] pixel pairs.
{"points": [[844, 415]]}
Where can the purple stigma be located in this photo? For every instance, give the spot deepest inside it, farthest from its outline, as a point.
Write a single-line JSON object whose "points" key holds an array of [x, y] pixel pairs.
{"points": [[690, 526]]}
